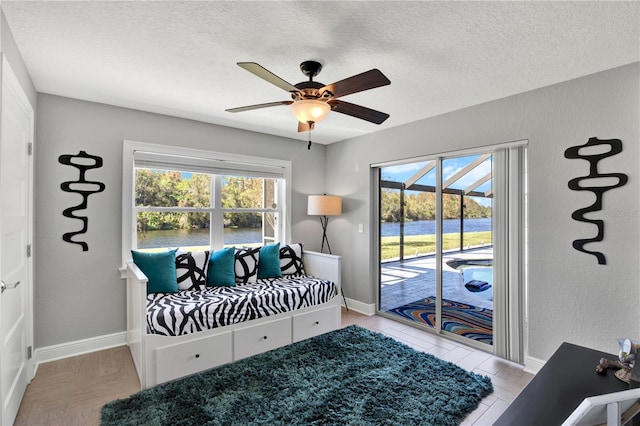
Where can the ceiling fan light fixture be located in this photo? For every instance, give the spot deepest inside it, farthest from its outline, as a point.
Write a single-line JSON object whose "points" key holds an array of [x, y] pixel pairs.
{"points": [[310, 110]]}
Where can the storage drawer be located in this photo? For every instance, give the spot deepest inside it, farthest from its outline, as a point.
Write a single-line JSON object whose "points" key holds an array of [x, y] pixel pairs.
{"points": [[190, 357], [261, 338], [314, 323]]}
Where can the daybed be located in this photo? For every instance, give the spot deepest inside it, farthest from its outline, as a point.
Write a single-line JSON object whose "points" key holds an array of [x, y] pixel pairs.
{"points": [[172, 335]]}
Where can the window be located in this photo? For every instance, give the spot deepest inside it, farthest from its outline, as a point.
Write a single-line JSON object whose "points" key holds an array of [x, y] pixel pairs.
{"points": [[194, 199]]}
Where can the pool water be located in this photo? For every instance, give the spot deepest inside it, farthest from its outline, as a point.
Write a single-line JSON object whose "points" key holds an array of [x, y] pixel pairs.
{"points": [[480, 274]]}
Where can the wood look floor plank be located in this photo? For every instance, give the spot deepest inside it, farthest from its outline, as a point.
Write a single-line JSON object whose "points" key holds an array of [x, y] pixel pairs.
{"points": [[475, 415], [492, 413], [72, 391], [473, 360], [457, 355]]}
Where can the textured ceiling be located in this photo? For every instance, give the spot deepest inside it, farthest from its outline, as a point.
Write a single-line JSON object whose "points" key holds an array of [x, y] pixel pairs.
{"points": [[179, 58]]}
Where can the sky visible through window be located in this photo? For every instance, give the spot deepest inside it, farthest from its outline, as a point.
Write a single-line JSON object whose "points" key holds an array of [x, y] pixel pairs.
{"points": [[402, 172]]}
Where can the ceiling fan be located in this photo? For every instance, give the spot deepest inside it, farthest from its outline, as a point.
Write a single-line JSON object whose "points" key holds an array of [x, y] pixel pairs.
{"points": [[312, 100]]}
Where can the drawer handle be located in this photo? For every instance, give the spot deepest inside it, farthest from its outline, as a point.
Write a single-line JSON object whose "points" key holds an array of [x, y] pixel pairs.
{"points": [[265, 337], [197, 355]]}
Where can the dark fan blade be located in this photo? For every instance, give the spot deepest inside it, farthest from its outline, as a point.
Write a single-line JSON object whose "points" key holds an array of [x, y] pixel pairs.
{"points": [[365, 81], [358, 111], [305, 127], [267, 75], [258, 106]]}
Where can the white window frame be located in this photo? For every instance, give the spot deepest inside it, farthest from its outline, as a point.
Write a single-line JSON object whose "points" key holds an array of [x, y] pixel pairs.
{"points": [[200, 158]]}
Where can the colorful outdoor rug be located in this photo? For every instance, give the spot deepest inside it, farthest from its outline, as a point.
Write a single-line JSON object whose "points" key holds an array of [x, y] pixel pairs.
{"points": [[459, 318], [350, 376]]}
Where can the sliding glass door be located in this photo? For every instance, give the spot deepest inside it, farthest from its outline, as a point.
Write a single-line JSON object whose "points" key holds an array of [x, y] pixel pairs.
{"points": [[467, 247], [436, 245]]}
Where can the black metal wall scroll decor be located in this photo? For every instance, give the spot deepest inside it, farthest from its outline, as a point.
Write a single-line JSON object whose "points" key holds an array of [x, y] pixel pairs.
{"points": [[83, 162], [574, 184]]}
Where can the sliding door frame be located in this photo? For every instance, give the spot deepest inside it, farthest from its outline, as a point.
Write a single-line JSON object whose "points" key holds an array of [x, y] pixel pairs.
{"points": [[511, 338]]}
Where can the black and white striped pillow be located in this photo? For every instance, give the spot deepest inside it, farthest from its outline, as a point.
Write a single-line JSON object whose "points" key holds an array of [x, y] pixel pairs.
{"points": [[291, 259], [191, 269], [246, 265]]}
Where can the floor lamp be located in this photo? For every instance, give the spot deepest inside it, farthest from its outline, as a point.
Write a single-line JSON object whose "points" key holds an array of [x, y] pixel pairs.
{"points": [[325, 206]]}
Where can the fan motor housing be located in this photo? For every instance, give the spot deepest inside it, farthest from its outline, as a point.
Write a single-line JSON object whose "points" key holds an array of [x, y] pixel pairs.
{"points": [[310, 90]]}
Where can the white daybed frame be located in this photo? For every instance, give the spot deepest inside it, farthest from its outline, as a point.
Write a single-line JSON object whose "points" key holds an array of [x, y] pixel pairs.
{"points": [[160, 358]]}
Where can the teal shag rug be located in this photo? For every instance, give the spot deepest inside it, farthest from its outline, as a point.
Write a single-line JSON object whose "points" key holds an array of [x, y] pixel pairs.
{"points": [[350, 376]]}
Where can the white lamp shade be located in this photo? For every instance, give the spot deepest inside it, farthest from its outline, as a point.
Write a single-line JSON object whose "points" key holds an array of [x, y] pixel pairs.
{"points": [[324, 205], [307, 110]]}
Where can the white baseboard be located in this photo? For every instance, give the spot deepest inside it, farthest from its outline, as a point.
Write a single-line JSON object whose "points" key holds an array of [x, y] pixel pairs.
{"points": [[533, 365], [79, 347], [362, 308]]}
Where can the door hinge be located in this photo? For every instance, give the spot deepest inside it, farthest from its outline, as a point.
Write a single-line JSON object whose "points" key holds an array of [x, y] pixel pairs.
{"points": [[28, 250], [29, 352], [30, 148]]}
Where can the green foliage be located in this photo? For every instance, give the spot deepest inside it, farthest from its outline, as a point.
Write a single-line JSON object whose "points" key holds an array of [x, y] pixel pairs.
{"points": [[422, 206], [160, 188], [242, 193], [155, 188]]}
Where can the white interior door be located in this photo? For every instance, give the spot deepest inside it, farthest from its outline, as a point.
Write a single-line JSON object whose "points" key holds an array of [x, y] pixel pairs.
{"points": [[16, 135]]}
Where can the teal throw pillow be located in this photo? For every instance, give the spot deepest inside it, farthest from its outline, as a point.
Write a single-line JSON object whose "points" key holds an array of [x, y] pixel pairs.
{"points": [[269, 261], [221, 268], [160, 269]]}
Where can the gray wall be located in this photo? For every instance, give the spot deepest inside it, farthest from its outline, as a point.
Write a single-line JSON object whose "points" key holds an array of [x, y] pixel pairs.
{"points": [[79, 294], [571, 297]]}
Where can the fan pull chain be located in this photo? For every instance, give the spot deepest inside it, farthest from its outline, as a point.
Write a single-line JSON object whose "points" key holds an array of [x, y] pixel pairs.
{"points": [[309, 146]]}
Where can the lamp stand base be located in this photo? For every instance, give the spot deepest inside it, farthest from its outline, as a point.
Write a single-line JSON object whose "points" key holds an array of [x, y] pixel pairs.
{"points": [[324, 220]]}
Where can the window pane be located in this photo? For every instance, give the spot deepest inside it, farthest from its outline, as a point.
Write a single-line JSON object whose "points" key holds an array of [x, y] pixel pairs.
{"points": [[270, 193], [270, 223], [247, 193], [390, 226], [242, 229], [166, 188], [173, 229], [467, 275]]}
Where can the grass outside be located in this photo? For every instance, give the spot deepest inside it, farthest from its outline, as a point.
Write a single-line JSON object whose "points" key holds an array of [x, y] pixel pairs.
{"points": [[426, 244]]}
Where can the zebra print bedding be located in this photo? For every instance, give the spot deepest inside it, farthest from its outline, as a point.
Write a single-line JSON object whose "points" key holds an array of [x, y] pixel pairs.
{"points": [[188, 311]]}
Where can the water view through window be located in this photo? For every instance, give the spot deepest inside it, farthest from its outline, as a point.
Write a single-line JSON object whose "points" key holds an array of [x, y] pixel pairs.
{"points": [[200, 237]]}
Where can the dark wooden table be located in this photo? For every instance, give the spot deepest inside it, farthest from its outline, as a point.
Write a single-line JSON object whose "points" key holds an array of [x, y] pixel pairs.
{"points": [[560, 386]]}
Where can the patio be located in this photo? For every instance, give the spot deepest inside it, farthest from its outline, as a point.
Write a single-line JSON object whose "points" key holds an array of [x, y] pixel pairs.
{"points": [[403, 282], [408, 289]]}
